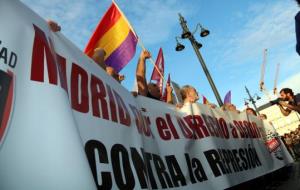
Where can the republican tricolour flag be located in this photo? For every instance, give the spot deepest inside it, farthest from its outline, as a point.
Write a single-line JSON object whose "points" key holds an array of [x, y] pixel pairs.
{"points": [[158, 70], [115, 35]]}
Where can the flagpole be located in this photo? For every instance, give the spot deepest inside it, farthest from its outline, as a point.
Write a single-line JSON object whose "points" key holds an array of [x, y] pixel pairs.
{"points": [[174, 93]]}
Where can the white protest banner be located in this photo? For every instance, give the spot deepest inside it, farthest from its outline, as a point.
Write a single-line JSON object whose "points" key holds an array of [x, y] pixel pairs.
{"points": [[66, 124]]}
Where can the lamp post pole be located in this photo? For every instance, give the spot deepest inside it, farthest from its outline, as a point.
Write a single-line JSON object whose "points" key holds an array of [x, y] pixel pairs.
{"points": [[196, 49], [251, 99]]}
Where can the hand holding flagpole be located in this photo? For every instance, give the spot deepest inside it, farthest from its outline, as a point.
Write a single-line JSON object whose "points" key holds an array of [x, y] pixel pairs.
{"points": [[151, 60]]}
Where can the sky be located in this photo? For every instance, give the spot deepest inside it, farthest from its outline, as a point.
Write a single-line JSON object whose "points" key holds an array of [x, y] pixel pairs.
{"points": [[233, 52]]}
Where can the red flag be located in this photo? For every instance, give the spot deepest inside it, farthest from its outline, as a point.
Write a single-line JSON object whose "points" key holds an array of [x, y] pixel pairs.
{"points": [[205, 100], [164, 97], [161, 67]]}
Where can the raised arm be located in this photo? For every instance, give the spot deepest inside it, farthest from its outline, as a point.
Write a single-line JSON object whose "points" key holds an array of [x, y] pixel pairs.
{"points": [[169, 94], [141, 73]]}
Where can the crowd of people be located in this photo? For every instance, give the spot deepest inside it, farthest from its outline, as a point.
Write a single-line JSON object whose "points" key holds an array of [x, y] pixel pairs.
{"points": [[292, 142], [150, 90], [287, 102]]}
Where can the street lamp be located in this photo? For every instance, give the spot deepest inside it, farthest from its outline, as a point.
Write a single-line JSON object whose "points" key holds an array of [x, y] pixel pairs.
{"points": [[186, 34], [179, 46], [252, 99]]}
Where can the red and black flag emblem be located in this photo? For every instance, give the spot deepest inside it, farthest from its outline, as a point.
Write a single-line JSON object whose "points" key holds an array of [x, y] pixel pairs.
{"points": [[6, 101]]}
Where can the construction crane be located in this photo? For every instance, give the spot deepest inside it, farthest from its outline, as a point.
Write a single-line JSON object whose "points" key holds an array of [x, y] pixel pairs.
{"points": [[262, 86], [276, 79], [263, 68]]}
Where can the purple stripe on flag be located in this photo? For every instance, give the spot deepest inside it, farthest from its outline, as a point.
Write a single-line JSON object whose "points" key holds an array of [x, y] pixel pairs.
{"points": [[123, 54]]}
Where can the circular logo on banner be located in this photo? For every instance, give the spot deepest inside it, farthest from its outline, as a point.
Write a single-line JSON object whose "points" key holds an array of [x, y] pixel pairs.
{"points": [[6, 102]]}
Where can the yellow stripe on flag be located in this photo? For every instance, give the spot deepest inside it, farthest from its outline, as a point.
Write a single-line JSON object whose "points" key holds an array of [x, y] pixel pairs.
{"points": [[114, 37]]}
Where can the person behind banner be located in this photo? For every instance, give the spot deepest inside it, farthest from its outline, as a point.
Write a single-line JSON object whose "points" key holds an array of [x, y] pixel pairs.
{"points": [[288, 142], [150, 90], [288, 101], [189, 94], [251, 111], [295, 143], [263, 116], [230, 107]]}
